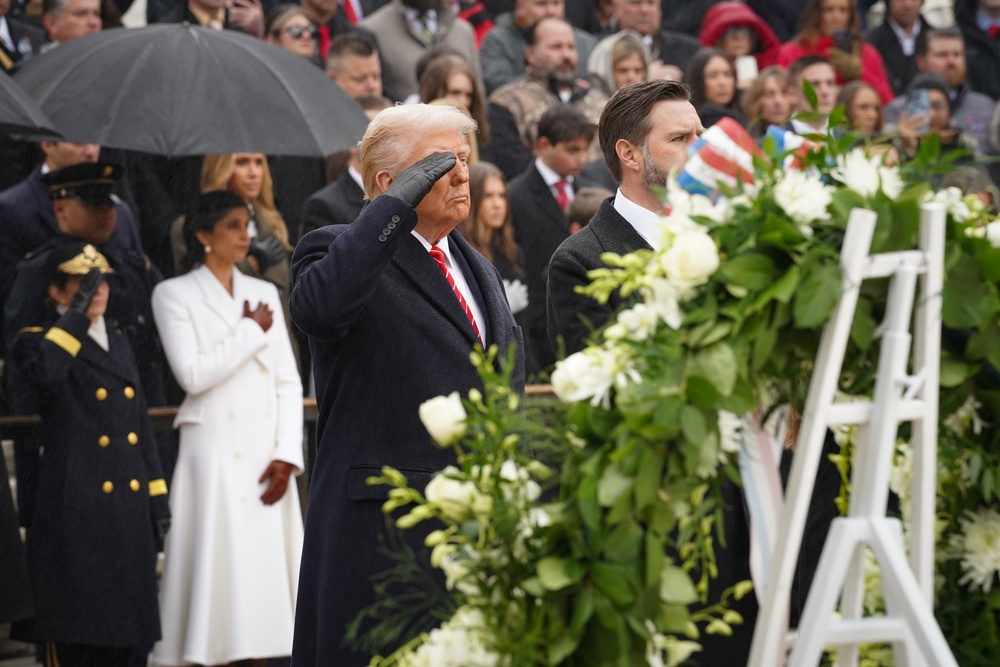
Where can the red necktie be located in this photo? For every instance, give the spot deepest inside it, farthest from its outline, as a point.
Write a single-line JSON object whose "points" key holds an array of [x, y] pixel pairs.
{"points": [[993, 31], [349, 11], [324, 40], [438, 255], [562, 197]]}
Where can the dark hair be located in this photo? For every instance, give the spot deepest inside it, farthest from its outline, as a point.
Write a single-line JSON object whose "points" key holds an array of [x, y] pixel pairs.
{"points": [[812, 19], [562, 122], [626, 116], [928, 81], [850, 91], [434, 85], [695, 75], [797, 67], [432, 54], [531, 34], [487, 241], [923, 43], [206, 213], [585, 205], [349, 44]]}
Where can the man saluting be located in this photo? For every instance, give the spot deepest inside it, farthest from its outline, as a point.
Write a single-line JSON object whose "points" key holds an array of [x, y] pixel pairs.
{"points": [[392, 305]]}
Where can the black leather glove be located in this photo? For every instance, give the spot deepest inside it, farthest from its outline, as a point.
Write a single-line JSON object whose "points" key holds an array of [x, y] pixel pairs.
{"points": [[413, 183], [162, 528], [267, 252], [88, 288]]}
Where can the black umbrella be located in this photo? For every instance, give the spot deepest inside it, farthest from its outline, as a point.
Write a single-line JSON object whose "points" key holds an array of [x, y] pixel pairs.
{"points": [[19, 114], [175, 89]]}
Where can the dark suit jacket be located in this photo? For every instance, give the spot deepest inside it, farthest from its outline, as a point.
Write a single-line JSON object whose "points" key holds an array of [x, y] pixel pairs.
{"points": [[27, 222], [539, 227], [389, 337], [28, 39], [898, 67], [339, 203], [572, 316]]}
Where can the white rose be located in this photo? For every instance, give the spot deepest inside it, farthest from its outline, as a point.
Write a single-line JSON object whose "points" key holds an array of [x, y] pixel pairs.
{"points": [[993, 233], [664, 297], [444, 418], [581, 376], [454, 497], [803, 197], [890, 181], [691, 259], [636, 323], [856, 171]]}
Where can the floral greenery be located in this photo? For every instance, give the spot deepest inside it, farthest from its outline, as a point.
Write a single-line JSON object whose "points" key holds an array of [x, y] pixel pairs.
{"points": [[612, 566]]}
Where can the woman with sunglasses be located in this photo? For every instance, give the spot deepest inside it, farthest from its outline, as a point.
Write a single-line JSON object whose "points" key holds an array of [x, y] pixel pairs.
{"points": [[289, 27]]}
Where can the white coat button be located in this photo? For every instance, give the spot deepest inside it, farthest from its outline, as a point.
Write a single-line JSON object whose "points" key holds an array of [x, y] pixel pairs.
{"points": [[237, 454], [232, 414]]}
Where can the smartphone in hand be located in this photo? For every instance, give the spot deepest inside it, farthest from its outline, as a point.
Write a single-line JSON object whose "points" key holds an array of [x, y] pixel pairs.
{"points": [[746, 69], [844, 40], [919, 102]]}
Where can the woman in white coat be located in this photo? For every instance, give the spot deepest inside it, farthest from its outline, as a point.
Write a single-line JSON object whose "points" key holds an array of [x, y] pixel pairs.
{"points": [[232, 556]]}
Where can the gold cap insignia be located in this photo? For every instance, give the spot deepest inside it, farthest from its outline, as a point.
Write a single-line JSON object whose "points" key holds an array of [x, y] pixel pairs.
{"points": [[80, 265]]}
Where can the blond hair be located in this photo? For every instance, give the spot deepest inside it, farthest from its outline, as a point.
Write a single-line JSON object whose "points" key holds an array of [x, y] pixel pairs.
{"points": [[394, 135], [217, 170]]}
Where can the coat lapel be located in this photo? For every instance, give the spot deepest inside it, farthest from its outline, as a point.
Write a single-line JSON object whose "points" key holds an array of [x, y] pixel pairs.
{"points": [[416, 263], [112, 360], [552, 214], [214, 294]]}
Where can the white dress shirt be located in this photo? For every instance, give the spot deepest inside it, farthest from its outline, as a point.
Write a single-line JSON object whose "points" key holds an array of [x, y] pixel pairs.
{"points": [[460, 280], [551, 178], [646, 223]]}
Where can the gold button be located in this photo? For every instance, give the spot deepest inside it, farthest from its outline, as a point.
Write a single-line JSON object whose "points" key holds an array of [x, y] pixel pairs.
{"points": [[101, 393], [132, 438], [104, 441], [129, 392], [134, 485], [107, 487]]}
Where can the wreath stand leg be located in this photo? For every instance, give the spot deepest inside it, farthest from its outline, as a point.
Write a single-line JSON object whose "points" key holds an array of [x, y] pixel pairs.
{"points": [[909, 624]]}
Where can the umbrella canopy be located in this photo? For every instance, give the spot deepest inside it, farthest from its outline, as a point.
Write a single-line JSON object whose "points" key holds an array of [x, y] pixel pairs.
{"points": [[176, 89], [19, 114]]}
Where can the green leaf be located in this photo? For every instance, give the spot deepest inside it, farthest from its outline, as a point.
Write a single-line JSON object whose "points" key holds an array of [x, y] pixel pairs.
{"points": [[676, 586], [647, 479], [612, 485], [844, 201], [586, 498], [562, 648], [817, 295], [864, 324], [752, 270], [955, 372], [612, 581], [967, 302], [552, 573], [701, 393], [716, 364], [693, 424], [783, 289], [624, 543], [763, 346], [583, 609], [654, 558]]}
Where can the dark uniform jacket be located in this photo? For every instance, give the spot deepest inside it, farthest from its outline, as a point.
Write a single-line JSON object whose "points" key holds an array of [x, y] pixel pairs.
{"points": [[28, 222], [92, 545], [28, 39], [390, 336], [129, 311], [899, 67]]}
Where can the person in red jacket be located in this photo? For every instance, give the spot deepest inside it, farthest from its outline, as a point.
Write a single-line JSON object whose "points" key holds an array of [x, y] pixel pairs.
{"points": [[736, 30], [832, 28]]}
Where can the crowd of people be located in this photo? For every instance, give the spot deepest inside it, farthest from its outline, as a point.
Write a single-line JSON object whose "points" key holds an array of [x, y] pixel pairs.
{"points": [[516, 140]]}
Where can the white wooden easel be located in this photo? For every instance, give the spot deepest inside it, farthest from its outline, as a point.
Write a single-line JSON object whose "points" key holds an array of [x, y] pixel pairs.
{"points": [[909, 623]]}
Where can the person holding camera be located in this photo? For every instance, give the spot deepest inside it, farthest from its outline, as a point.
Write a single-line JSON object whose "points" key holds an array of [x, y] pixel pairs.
{"points": [[832, 29]]}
